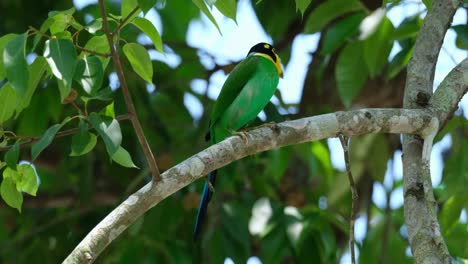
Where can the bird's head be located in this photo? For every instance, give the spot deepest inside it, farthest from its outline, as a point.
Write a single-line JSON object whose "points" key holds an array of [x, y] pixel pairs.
{"points": [[268, 51]]}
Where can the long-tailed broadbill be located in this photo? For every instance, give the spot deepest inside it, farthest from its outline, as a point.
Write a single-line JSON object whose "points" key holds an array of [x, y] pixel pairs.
{"points": [[247, 90]]}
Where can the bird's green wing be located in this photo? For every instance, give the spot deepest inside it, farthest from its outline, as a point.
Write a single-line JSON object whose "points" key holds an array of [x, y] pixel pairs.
{"points": [[252, 98], [233, 85]]}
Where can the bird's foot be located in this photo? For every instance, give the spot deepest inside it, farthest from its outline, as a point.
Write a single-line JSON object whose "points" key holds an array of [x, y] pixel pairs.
{"points": [[210, 186], [242, 134]]}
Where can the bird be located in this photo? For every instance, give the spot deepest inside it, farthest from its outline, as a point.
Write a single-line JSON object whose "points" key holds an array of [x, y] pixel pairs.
{"points": [[247, 90]]}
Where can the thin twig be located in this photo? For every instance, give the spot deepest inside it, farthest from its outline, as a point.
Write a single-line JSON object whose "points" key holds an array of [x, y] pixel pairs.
{"points": [[345, 144], [126, 93], [125, 20], [105, 55], [31, 140]]}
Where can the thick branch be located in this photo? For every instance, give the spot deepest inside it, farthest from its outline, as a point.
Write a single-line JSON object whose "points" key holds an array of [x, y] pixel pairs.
{"points": [[350, 123], [426, 241], [128, 99]]}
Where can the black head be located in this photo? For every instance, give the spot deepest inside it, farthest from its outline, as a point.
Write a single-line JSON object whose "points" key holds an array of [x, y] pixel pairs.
{"points": [[266, 49]]}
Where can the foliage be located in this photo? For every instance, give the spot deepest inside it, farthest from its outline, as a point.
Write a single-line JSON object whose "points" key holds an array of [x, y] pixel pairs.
{"points": [[60, 111]]}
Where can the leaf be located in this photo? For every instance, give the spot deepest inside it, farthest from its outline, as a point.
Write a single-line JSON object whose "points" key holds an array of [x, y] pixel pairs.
{"points": [[340, 32], [12, 156], [146, 5], [398, 63], [302, 5], [36, 70], [90, 74], [349, 72], [328, 11], [28, 182], [140, 60], [428, 4], [82, 142], [46, 139], [462, 36], [202, 6], [8, 98], [16, 67], [3, 41], [451, 211], [10, 195], [148, 28], [127, 7], [122, 157], [228, 8], [109, 130], [109, 111], [62, 59], [377, 47], [61, 20], [94, 26], [99, 44]]}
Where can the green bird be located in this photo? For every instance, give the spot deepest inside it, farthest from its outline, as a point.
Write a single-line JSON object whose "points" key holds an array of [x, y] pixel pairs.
{"points": [[247, 90]]}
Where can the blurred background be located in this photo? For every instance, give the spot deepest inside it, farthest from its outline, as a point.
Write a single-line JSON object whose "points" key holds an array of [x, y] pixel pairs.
{"points": [[289, 205]]}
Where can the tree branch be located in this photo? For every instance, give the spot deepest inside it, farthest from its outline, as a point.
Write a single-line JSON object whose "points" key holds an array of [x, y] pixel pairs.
{"points": [[126, 93], [426, 241], [349, 123]]}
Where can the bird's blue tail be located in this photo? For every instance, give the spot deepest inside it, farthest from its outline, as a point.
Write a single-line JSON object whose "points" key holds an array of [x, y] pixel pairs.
{"points": [[205, 199]]}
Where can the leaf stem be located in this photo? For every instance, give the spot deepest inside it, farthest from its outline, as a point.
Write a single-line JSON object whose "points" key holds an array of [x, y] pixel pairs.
{"points": [[128, 99]]}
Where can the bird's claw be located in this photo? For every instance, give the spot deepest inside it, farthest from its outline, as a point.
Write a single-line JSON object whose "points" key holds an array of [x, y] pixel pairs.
{"points": [[242, 135], [210, 186]]}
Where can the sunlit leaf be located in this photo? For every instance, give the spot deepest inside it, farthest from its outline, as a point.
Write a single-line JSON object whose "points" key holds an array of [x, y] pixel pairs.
{"points": [[377, 47], [36, 70], [340, 32], [148, 28], [3, 41], [10, 195], [140, 60], [28, 182], [228, 8], [61, 57], [14, 61], [328, 11], [99, 44], [122, 157], [202, 6], [89, 73], [109, 130], [398, 63], [146, 5]]}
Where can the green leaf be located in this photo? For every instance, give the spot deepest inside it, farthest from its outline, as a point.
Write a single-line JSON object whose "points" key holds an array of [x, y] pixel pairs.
{"points": [[46, 139], [94, 26], [90, 74], [12, 156], [140, 60], [398, 63], [8, 98], [229, 8], [36, 70], [99, 44], [146, 5], [302, 5], [62, 59], [148, 28], [109, 111], [349, 72], [109, 130], [3, 41], [462, 36], [377, 47], [14, 61], [122, 157], [428, 4], [451, 212], [202, 6], [82, 142], [28, 179], [10, 195], [61, 20], [328, 11], [340, 32], [127, 7]]}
